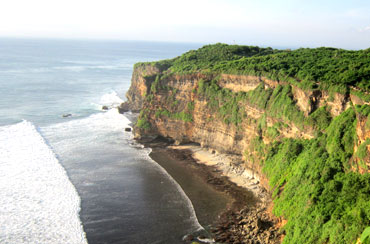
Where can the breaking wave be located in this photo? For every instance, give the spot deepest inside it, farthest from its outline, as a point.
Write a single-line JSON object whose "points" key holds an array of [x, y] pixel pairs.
{"points": [[39, 203]]}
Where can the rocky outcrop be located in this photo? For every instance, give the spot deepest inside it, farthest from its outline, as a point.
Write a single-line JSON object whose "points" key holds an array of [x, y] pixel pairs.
{"points": [[247, 226], [244, 83], [142, 76]]}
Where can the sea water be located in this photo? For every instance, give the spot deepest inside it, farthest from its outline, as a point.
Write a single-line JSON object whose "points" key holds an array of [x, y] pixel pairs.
{"points": [[80, 178]]}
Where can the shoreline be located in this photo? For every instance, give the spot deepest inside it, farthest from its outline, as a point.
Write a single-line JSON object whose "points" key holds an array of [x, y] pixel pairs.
{"points": [[244, 217]]}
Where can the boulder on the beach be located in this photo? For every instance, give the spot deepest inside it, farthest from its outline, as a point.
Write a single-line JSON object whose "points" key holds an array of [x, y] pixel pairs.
{"points": [[124, 107], [128, 129], [66, 115], [105, 107]]}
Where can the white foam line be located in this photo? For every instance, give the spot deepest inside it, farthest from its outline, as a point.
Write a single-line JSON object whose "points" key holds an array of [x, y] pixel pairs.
{"points": [[38, 202]]}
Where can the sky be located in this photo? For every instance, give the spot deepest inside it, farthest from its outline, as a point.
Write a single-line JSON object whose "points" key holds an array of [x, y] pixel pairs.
{"points": [[276, 23]]}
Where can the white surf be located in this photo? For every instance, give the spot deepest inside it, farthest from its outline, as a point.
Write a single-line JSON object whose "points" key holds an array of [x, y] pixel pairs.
{"points": [[38, 202]]}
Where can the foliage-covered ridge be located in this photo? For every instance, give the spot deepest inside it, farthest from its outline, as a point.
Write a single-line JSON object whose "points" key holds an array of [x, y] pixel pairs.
{"points": [[310, 146], [327, 68]]}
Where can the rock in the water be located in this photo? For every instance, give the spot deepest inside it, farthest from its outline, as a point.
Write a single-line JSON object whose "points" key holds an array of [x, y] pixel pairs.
{"points": [[128, 129], [105, 108], [66, 115]]}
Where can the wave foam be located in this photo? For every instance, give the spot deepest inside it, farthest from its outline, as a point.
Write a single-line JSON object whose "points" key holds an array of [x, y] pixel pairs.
{"points": [[111, 99], [39, 203]]}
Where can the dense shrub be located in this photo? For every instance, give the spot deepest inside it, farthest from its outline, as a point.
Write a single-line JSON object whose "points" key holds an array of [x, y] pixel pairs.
{"points": [[322, 201]]}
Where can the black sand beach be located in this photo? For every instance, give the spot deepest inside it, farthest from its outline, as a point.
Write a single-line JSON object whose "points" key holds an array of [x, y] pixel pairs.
{"points": [[229, 213]]}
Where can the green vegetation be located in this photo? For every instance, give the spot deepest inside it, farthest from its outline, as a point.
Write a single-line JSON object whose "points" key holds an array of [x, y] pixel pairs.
{"points": [[261, 123], [313, 189], [222, 101], [257, 145], [272, 132], [364, 110], [362, 149], [365, 237], [281, 105], [142, 121], [320, 118], [364, 96], [155, 85], [149, 98], [362, 153], [310, 179], [190, 106], [340, 136], [186, 117], [330, 68], [277, 102], [211, 56]]}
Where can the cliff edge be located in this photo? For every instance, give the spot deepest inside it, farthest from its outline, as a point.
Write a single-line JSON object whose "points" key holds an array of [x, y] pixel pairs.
{"points": [[300, 120]]}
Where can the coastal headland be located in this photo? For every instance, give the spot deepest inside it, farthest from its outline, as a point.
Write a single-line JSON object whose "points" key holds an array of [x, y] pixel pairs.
{"points": [[292, 128]]}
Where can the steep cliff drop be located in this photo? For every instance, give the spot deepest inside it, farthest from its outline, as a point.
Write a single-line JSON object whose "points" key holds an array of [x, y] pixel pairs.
{"points": [[305, 142]]}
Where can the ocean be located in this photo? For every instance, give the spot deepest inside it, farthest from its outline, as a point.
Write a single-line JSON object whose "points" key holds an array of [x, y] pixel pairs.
{"points": [[81, 178]]}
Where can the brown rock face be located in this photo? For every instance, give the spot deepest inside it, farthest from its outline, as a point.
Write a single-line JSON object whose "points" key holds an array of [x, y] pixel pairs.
{"points": [[238, 83], [142, 77], [362, 131], [363, 134]]}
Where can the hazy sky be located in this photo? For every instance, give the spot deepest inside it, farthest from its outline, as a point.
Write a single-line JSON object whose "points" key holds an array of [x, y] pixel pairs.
{"points": [[287, 23]]}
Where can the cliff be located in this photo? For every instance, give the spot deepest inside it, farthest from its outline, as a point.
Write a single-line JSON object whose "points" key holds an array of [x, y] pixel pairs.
{"points": [[308, 141]]}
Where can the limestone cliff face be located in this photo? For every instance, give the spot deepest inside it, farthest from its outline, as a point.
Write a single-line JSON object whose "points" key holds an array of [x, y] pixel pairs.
{"points": [[141, 80], [175, 108]]}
